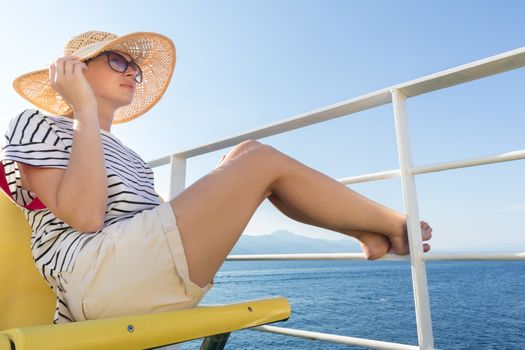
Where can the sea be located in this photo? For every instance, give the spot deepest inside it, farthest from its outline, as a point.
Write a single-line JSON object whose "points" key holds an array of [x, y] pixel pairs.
{"points": [[474, 304]]}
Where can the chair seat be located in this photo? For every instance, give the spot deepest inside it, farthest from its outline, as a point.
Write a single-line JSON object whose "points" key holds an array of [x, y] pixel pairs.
{"points": [[147, 331]]}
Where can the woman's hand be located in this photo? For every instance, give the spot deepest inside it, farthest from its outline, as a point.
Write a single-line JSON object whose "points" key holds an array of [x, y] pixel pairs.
{"points": [[67, 78]]}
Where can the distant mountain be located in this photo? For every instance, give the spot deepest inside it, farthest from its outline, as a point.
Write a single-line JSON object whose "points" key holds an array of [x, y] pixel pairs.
{"points": [[283, 241]]}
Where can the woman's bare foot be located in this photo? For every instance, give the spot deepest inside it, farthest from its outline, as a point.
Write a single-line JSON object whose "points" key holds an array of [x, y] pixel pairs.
{"points": [[399, 239], [374, 245]]}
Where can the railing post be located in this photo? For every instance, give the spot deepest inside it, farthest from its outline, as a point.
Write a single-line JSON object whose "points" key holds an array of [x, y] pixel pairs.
{"points": [[419, 276], [177, 175]]}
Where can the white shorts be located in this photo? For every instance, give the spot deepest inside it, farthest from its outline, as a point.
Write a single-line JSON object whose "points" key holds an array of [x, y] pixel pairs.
{"points": [[135, 266]]}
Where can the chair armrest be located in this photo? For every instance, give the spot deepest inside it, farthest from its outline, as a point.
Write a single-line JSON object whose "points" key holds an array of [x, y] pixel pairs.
{"points": [[5, 344], [149, 330]]}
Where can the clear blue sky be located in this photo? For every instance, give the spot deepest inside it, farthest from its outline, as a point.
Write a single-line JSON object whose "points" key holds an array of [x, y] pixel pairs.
{"points": [[246, 64]]}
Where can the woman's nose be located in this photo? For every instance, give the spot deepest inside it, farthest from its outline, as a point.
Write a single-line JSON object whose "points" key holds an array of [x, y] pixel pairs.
{"points": [[131, 72]]}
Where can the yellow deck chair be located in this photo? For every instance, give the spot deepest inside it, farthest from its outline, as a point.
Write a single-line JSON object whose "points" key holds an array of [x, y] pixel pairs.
{"points": [[27, 306]]}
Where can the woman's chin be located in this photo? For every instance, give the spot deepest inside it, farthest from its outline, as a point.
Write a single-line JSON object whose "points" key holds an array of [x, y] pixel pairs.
{"points": [[124, 102]]}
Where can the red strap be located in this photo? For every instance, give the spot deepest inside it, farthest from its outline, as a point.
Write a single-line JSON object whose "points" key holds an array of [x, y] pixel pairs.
{"points": [[35, 204]]}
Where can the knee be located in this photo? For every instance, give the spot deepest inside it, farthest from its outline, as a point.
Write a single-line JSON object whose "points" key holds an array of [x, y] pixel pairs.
{"points": [[264, 152], [244, 146], [238, 149], [255, 147], [248, 144]]}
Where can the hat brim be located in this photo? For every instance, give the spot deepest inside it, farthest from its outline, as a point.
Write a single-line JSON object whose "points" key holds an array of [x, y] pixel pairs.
{"points": [[153, 52]]}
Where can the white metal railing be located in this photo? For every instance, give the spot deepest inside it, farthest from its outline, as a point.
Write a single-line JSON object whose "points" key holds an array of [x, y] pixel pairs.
{"points": [[396, 95], [361, 256]]}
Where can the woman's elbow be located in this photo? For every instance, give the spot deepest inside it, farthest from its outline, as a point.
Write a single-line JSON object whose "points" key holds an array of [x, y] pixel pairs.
{"points": [[89, 225], [96, 225]]}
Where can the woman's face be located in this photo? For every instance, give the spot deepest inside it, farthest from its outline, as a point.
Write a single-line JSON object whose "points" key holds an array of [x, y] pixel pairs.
{"points": [[110, 87]]}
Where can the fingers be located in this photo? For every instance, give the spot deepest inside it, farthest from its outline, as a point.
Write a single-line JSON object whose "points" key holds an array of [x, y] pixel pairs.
{"points": [[52, 70], [67, 79], [68, 67], [73, 67], [60, 67], [78, 67], [64, 67]]}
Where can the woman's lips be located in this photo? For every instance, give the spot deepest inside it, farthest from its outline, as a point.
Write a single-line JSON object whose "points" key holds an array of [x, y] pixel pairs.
{"points": [[128, 86]]}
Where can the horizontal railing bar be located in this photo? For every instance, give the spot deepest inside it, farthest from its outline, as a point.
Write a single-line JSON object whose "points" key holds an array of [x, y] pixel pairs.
{"points": [[504, 157], [463, 163], [360, 256], [340, 339], [389, 174], [475, 256], [475, 70], [307, 256], [353, 105], [492, 65]]}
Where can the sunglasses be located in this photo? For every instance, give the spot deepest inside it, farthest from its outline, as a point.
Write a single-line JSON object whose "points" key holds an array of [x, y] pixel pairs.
{"points": [[118, 63]]}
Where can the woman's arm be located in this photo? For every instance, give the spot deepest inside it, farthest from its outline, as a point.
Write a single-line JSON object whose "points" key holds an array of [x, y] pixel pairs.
{"points": [[79, 194]]}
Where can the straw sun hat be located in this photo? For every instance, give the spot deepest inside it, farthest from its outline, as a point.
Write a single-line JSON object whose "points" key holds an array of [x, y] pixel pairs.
{"points": [[154, 53]]}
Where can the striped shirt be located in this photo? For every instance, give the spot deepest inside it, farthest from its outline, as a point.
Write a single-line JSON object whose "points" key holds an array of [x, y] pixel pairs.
{"points": [[46, 141]]}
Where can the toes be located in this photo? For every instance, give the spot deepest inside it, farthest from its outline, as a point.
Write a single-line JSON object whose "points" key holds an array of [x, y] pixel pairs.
{"points": [[427, 234], [427, 230]]}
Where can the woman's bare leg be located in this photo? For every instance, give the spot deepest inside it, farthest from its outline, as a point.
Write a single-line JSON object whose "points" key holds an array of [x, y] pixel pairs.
{"points": [[373, 245], [214, 211]]}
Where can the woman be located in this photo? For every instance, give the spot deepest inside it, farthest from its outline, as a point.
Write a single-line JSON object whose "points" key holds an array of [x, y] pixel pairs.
{"points": [[102, 239]]}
